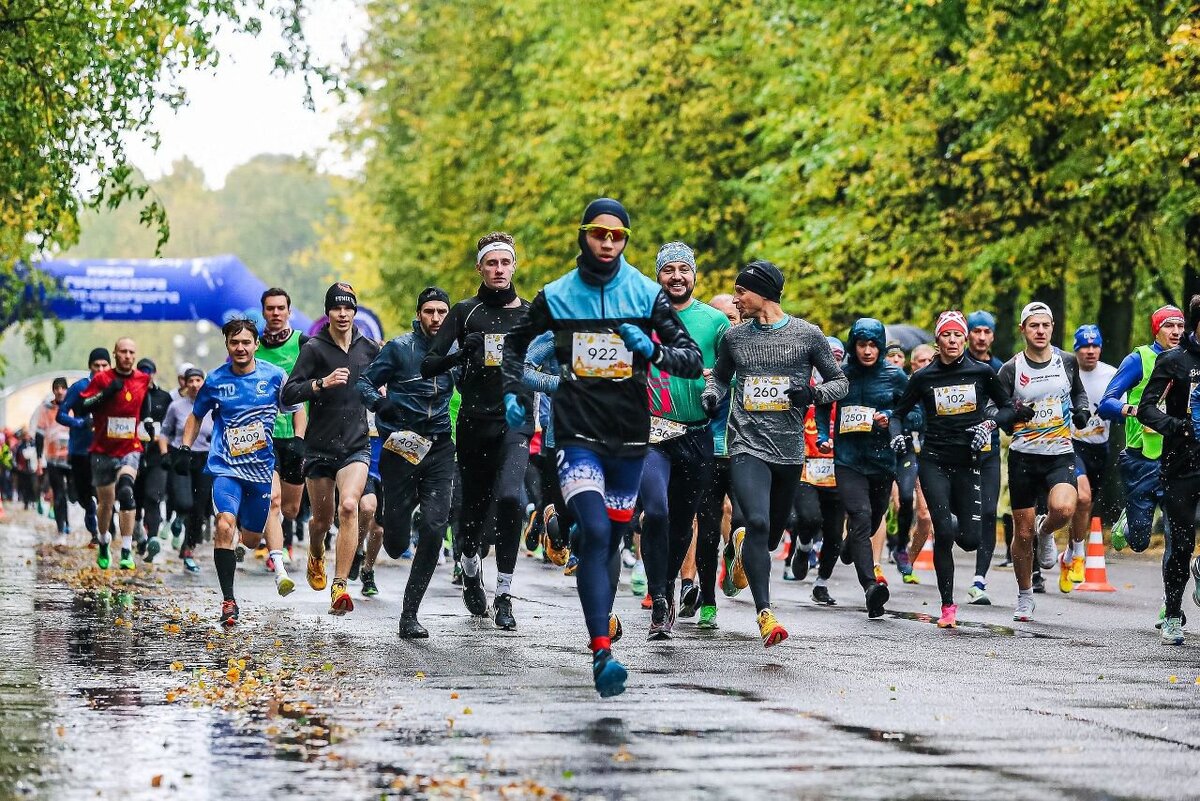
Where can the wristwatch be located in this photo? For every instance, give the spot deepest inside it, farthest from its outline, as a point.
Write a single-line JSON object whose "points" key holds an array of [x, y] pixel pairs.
{"points": [[1129, 410], [319, 383]]}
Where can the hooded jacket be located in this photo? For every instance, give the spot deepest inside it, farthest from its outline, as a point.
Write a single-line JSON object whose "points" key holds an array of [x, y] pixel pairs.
{"points": [[1164, 407], [877, 388], [424, 403], [337, 419]]}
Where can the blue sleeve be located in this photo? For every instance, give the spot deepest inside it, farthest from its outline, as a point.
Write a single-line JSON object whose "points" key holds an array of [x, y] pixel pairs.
{"points": [[377, 374], [1194, 405], [63, 416], [540, 351], [821, 416], [1128, 376], [206, 401]]}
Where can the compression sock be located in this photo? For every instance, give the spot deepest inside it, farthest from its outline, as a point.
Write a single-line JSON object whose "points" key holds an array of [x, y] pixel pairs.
{"points": [[504, 583], [226, 564]]}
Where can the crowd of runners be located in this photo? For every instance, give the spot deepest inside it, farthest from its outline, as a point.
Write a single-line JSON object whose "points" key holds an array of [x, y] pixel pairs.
{"points": [[616, 422]]}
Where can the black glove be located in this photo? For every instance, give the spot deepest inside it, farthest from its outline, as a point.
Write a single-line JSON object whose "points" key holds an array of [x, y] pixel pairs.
{"points": [[1080, 418], [1024, 413], [472, 346], [148, 425], [182, 463], [711, 405], [116, 386], [800, 394], [389, 413]]}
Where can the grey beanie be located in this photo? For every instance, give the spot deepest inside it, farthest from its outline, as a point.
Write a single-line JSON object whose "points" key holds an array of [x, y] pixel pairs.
{"points": [[672, 252]]}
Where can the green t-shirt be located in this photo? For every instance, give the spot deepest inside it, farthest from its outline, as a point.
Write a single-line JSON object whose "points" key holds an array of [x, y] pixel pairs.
{"points": [[676, 398], [284, 357]]}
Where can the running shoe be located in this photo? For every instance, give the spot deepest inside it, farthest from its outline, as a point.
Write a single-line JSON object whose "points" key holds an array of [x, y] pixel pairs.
{"points": [[879, 577], [261, 552], [689, 599], [369, 588], [529, 532], [647, 601], [978, 596], [356, 565], [1025, 608], [788, 575], [550, 523], [407, 553], [1162, 615], [229, 614], [176, 532], [628, 560], [814, 556], [1039, 583], [153, 546], [726, 579], [1078, 571], [770, 629], [904, 565], [1007, 561], [1196, 581], [126, 562], [615, 629], [608, 674], [340, 601], [289, 555], [708, 618], [738, 573], [659, 612], [1117, 536], [911, 578], [316, 572], [821, 595], [1065, 584], [877, 596], [502, 606], [799, 566], [572, 565], [1172, 631], [557, 556], [103, 560], [284, 584], [949, 618], [456, 575], [1047, 549], [239, 553], [139, 543], [94, 543], [474, 595], [410, 629], [637, 578], [189, 563], [846, 554]]}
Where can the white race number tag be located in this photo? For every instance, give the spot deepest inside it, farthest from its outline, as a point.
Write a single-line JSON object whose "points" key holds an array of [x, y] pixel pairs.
{"points": [[1047, 413], [493, 349], [819, 472], [765, 393], [412, 446], [856, 419], [122, 428], [247, 439], [958, 399], [662, 430], [600, 356]]}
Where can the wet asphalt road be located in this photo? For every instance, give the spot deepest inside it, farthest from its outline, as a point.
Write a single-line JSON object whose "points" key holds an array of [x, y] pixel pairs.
{"points": [[103, 700]]}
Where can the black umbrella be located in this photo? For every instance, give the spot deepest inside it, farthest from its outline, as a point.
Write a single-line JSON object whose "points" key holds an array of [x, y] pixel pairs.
{"points": [[909, 336]]}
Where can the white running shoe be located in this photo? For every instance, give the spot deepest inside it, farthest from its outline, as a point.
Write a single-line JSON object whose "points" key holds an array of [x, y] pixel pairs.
{"points": [[1046, 547], [1024, 610]]}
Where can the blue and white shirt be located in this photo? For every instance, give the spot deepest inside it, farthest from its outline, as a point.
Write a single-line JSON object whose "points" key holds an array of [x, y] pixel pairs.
{"points": [[243, 410]]}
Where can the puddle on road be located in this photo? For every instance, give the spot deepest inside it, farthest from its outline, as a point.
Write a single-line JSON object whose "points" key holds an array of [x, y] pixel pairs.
{"points": [[994, 628]]}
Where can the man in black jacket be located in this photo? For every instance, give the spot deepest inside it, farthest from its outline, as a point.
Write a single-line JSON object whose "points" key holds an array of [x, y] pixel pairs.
{"points": [[417, 462], [338, 450], [1166, 407], [150, 488]]}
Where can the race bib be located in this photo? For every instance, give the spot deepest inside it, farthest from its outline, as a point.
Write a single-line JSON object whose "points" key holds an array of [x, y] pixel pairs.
{"points": [[143, 434], [600, 356], [765, 393], [856, 419], [1047, 413], [122, 428], [958, 399], [244, 440], [372, 429], [412, 446], [493, 349], [662, 430], [819, 472]]}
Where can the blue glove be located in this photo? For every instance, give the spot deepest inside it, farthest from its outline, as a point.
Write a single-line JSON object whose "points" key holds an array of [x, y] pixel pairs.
{"points": [[636, 340], [514, 411]]}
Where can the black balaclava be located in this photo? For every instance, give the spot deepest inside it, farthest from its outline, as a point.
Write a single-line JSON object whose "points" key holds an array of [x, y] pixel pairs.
{"points": [[591, 269]]}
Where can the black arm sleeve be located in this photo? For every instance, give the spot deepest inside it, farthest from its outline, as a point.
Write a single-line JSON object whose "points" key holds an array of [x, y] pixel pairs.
{"points": [[298, 388], [439, 359], [1148, 412], [1003, 400], [677, 352], [516, 343]]}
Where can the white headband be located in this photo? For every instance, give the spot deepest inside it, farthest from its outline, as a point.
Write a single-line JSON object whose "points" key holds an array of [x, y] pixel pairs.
{"points": [[494, 246]]}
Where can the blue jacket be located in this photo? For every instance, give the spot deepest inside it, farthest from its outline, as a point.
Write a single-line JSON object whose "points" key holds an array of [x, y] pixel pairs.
{"points": [[80, 435], [424, 403], [1128, 376], [876, 388], [542, 375]]}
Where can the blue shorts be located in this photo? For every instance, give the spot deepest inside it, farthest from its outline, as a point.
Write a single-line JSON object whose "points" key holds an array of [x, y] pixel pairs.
{"points": [[248, 501], [617, 479]]}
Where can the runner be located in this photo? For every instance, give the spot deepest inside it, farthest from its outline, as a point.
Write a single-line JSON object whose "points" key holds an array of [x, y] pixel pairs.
{"points": [[868, 438], [150, 488], [603, 314], [1170, 405], [981, 327], [280, 346], [191, 484], [1091, 445], [492, 456], [1048, 399], [1139, 461], [338, 453], [773, 357], [116, 400], [79, 448], [953, 391], [678, 466], [53, 441], [243, 396], [417, 463]]}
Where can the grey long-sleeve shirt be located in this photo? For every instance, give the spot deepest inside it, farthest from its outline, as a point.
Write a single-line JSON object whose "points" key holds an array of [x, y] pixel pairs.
{"points": [[765, 360]]}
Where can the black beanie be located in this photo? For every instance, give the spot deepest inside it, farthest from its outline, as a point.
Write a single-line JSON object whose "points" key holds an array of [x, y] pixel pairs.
{"points": [[340, 294], [147, 366], [592, 270], [99, 354], [762, 278], [605, 205], [432, 293]]}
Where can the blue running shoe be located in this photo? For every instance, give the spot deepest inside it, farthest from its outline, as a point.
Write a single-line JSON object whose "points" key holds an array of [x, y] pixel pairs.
{"points": [[609, 674]]}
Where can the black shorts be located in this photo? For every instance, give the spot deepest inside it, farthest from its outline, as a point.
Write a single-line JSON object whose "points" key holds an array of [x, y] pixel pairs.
{"points": [[372, 487], [1091, 460], [289, 460], [1031, 476], [325, 465]]}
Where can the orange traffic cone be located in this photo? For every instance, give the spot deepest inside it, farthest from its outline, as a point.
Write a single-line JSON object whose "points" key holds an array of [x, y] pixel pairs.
{"points": [[1095, 577], [925, 557]]}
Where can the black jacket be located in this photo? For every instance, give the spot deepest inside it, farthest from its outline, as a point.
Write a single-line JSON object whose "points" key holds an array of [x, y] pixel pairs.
{"points": [[337, 419], [424, 403], [1164, 407]]}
